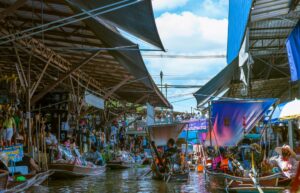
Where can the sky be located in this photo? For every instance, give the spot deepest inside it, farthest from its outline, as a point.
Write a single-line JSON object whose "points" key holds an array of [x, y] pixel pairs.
{"points": [[189, 27]]}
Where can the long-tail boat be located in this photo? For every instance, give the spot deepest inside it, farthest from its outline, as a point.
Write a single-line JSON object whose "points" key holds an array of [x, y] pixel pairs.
{"points": [[230, 122], [73, 166], [159, 135], [13, 185]]}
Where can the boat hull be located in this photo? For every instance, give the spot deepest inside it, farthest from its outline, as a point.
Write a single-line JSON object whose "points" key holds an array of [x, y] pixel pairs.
{"points": [[221, 182], [31, 181], [71, 170], [117, 165]]}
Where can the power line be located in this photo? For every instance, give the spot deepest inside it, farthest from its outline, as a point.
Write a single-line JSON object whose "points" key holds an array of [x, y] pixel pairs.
{"points": [[179, 56], [178, 86]]}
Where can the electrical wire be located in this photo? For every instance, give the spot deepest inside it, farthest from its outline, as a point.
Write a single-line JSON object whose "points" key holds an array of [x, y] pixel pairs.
{"points": [[177, 56]]}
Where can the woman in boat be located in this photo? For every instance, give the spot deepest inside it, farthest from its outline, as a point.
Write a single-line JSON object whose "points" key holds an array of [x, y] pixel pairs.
{"points": [[286, 161], [94, 156]]}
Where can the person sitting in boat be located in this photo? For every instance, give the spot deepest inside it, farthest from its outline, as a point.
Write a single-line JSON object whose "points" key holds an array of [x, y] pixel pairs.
{"points": [[172, 155], [50, 139], [94, 156], [171, 148], [225, 163], [67, 142], [286, 161], [30, 163]]}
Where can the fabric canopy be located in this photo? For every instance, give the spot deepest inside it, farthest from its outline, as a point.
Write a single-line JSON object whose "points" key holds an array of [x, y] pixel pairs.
{"points": [[160, 134], [293, 51], [239, 11], [137, 19], [131, 59], [217, 84], [233, 119]]}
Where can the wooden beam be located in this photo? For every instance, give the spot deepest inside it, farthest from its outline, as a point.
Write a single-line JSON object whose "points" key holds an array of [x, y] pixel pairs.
{"points": [[11, 9], [115, 88], [20, 66], [63, 77], [33, 89]]}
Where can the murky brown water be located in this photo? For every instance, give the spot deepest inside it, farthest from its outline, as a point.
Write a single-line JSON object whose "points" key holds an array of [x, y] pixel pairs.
{"points": [[122, 181]]}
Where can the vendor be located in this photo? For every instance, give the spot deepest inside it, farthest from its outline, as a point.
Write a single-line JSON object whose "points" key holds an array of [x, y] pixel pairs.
{"points": [[94, 156], [30, 163], [286, 161], [50, 139], [9, 127], [171, 148]]}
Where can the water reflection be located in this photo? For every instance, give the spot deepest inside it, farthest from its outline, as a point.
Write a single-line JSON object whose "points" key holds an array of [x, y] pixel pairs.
{"points": [[125, 181]]}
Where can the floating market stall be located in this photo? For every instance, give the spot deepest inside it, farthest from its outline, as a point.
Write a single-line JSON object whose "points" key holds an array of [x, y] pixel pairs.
{"points": [[231, 121]]}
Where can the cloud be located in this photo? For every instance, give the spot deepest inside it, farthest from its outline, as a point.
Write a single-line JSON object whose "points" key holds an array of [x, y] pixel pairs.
{"points": [[213, 8], [160, 5], [188, 32]]}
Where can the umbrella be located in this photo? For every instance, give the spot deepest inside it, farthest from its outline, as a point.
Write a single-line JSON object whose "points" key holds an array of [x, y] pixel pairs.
{"points": [[291, 110]]}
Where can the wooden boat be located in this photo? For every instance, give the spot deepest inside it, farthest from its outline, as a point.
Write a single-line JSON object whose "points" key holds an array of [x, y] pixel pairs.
{"points": [[114, 165], [171, 176], [72, 170], [31, 180], [222, 182]]}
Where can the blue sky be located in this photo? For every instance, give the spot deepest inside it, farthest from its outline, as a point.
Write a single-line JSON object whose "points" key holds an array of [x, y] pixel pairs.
{"points": [[189, 27]]}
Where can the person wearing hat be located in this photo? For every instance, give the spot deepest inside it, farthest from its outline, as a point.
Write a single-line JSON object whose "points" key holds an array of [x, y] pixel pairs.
{"points": [[286, 161]]}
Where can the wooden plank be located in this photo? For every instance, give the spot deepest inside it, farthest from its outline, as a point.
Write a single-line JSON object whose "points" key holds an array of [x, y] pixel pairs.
{"points": [[33, 89], [63, 77], [115, 88], [11, 9]]}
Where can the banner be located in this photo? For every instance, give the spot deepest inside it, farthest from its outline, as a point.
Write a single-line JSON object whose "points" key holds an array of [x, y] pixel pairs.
{"points": [[150, 114], [231, 120], [293, 51], [14, 153], [94, 100], [196, 125]]}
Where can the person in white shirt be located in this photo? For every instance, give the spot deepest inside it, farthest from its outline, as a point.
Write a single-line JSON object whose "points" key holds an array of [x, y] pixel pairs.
{"points": [[286, 161]]}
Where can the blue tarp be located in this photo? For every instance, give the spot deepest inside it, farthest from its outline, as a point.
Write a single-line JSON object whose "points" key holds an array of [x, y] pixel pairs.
{"points": [[276, 113], [193, 136], [239, 11], [293, 51], [232, 119]]}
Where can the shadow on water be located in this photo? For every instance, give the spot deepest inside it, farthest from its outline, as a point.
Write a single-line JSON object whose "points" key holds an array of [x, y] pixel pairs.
{"points": [[121, 181]]}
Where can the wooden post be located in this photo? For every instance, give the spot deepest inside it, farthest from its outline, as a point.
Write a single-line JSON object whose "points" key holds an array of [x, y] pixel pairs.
{"points": [[28, 113], [290, 133], [59, 128]]}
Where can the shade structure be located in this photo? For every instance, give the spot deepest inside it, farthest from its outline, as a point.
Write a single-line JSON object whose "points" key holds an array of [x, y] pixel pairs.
{"points": [[233, 119], [217, 84], [291, 110], [137, 19]]}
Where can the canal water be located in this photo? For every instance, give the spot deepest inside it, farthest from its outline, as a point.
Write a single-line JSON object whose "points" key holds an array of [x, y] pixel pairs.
{"points": [[121, 181]]}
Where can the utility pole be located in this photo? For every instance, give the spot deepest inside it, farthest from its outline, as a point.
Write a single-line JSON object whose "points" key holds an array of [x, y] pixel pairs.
{"points": [[161, 80], [166, 85]]}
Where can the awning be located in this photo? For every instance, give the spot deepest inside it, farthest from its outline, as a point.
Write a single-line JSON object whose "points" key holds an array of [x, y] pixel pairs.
{"points": [[217, 84], [293, 49], [137, 19], [239, 11], [131, 59]]}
